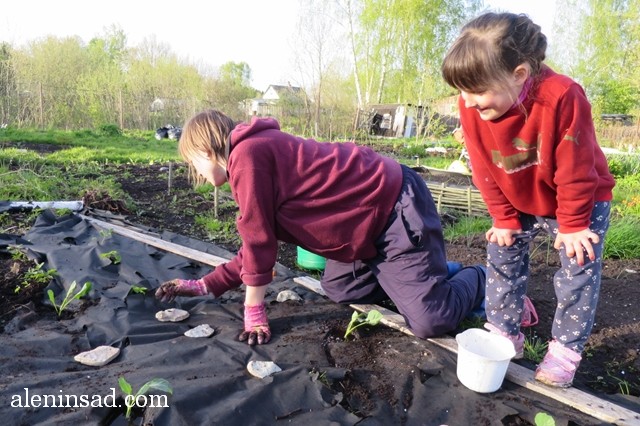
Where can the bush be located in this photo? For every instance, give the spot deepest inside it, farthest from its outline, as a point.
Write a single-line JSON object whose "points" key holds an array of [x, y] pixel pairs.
{"points": [[110, 130]]}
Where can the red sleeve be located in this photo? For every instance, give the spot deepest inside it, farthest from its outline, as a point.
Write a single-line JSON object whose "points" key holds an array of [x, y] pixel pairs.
{"points": [[225, 277], [253, 187], [504, 215], [576, 176]]}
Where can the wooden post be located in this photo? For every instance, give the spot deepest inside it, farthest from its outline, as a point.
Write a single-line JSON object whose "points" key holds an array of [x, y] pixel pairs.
{"points": [[215, 202], [41, 106], [121, 109]]}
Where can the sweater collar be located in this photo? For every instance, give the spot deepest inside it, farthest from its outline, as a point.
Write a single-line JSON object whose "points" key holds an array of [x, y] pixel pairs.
{"points": [[526, 87]]}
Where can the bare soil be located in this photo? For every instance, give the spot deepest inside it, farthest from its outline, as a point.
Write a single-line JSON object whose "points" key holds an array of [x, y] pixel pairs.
{"points": [[611, 361]]}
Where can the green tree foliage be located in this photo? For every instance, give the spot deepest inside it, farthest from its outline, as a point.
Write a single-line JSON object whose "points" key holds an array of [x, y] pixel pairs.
{"points": [[400, 44], [232, 87], [101, 87], [608, 46], [48, 72], [7, 82]]}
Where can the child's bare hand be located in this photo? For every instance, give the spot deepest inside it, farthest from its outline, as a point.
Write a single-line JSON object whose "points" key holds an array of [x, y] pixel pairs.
{"points": [[502, 237], [576, 243]]}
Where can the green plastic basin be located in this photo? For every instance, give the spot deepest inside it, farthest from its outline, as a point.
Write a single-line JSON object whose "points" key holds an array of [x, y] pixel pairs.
{"points": [[309, 260]]}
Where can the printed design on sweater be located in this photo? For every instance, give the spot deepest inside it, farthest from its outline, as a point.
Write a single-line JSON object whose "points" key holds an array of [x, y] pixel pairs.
{"points": [[573, 139], [527, 156]]}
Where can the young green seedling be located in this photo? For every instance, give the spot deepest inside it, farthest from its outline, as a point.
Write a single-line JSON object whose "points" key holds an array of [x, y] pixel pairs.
{"points": [[68, 297], [360, 319], [544, 419], [138, 289], [36, 275], [130, 399], [113, 256]]}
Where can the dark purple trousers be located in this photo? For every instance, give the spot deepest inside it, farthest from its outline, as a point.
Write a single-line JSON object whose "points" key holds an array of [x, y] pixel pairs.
{"points": [[410, 268]]}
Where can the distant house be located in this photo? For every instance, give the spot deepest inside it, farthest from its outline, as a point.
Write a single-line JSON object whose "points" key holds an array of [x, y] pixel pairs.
{"points": [[407, 120], [276, 92], [446, 110], [277, 100]]}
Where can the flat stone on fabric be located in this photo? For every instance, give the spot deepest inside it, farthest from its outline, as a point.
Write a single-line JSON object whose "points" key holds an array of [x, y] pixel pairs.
{"points": [[262, 369], [172, 315], [285, 295], [102, 355], [203, 330]]}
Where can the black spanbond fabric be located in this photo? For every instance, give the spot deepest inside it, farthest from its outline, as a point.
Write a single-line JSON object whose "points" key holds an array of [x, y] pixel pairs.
{"points": [[321, 383]]}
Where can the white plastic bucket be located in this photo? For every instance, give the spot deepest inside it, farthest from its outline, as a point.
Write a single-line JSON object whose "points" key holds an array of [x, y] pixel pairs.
{"points": [[483, 359]]}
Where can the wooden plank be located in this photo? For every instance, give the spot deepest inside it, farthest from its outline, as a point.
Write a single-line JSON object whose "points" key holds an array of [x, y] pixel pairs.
{"points": [[577, 399], [71, 205], [206, 258]]}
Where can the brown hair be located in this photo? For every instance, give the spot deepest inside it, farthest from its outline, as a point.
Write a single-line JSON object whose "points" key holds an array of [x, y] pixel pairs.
{"points": [[206, 133], [489, 48]]}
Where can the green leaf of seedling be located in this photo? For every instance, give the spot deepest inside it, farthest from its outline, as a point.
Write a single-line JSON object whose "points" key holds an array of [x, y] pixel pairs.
{"points": [[125, 386], [83, 292], [161, 385], [71, 288], [544, 419], [358, 320], [355, 316], [374, 317], [52, 297]]}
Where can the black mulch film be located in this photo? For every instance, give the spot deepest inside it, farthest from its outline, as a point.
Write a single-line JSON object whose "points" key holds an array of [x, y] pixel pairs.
{"points": [[382, 377]]}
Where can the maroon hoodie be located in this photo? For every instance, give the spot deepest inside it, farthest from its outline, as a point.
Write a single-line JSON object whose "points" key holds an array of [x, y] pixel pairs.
{"points": [[333, 199]]}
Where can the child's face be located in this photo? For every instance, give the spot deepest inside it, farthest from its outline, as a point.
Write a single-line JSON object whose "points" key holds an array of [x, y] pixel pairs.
{"points": [[491, 104], [494, 103], [209, 169]]}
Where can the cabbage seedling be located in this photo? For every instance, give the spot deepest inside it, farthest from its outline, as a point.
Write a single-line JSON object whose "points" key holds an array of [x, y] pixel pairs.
{"points": [[69, 296], [360, 319], [138, 289], [544, 419], [130, 399], [113, 256]]}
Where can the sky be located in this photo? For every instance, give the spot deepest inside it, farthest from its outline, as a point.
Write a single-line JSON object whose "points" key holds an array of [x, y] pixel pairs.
{"points": [[206, 32]]}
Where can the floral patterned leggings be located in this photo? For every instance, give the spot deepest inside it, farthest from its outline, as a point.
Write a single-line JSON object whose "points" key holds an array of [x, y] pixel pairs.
{"points": [[577, 287]]}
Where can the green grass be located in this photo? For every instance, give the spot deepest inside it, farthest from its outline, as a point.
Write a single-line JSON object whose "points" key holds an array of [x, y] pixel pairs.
{"points": [[466, 227], [82, 146], [217, 229], [74, 170], [535, 348], [623, 238]]}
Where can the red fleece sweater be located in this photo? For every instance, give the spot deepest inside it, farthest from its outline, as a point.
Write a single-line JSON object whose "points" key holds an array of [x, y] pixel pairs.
{"points": [[333, 199], [546, 162]]}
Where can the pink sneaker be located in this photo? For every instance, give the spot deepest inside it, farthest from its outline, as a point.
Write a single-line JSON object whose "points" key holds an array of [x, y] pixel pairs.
{"points": [[518, 341], [529, 314], [558, 366]]}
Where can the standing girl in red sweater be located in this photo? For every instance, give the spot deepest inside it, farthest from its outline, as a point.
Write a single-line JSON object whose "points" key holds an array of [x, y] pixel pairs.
{"points": [[536, 161]]}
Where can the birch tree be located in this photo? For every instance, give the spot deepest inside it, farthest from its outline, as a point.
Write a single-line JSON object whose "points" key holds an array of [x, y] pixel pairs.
{"points": [[608, 48]]}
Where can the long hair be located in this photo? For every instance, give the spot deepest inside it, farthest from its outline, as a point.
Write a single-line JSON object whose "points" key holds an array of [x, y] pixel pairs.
{"points": [[206, 133]]}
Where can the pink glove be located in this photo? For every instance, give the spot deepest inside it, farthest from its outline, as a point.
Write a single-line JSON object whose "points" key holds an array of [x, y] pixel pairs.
{"points": [[256, 325], [171, 289]]}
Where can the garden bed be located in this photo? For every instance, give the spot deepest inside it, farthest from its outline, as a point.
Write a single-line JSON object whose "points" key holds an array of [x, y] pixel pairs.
{"points": [[383, 377]]}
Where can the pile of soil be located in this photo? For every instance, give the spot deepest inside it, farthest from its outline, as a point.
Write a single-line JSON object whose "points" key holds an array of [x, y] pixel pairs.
{"points": [[165, 202]]}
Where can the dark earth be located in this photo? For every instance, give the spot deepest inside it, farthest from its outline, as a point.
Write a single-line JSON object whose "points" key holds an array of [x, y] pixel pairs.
{"points": [[611, 361]]}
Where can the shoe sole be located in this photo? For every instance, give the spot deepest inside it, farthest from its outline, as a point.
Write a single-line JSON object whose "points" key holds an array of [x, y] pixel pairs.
{"points": [[551, 383]]}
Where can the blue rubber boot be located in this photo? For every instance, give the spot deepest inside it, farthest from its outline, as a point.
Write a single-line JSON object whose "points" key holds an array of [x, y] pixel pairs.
{"points": [[453, 268]]}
